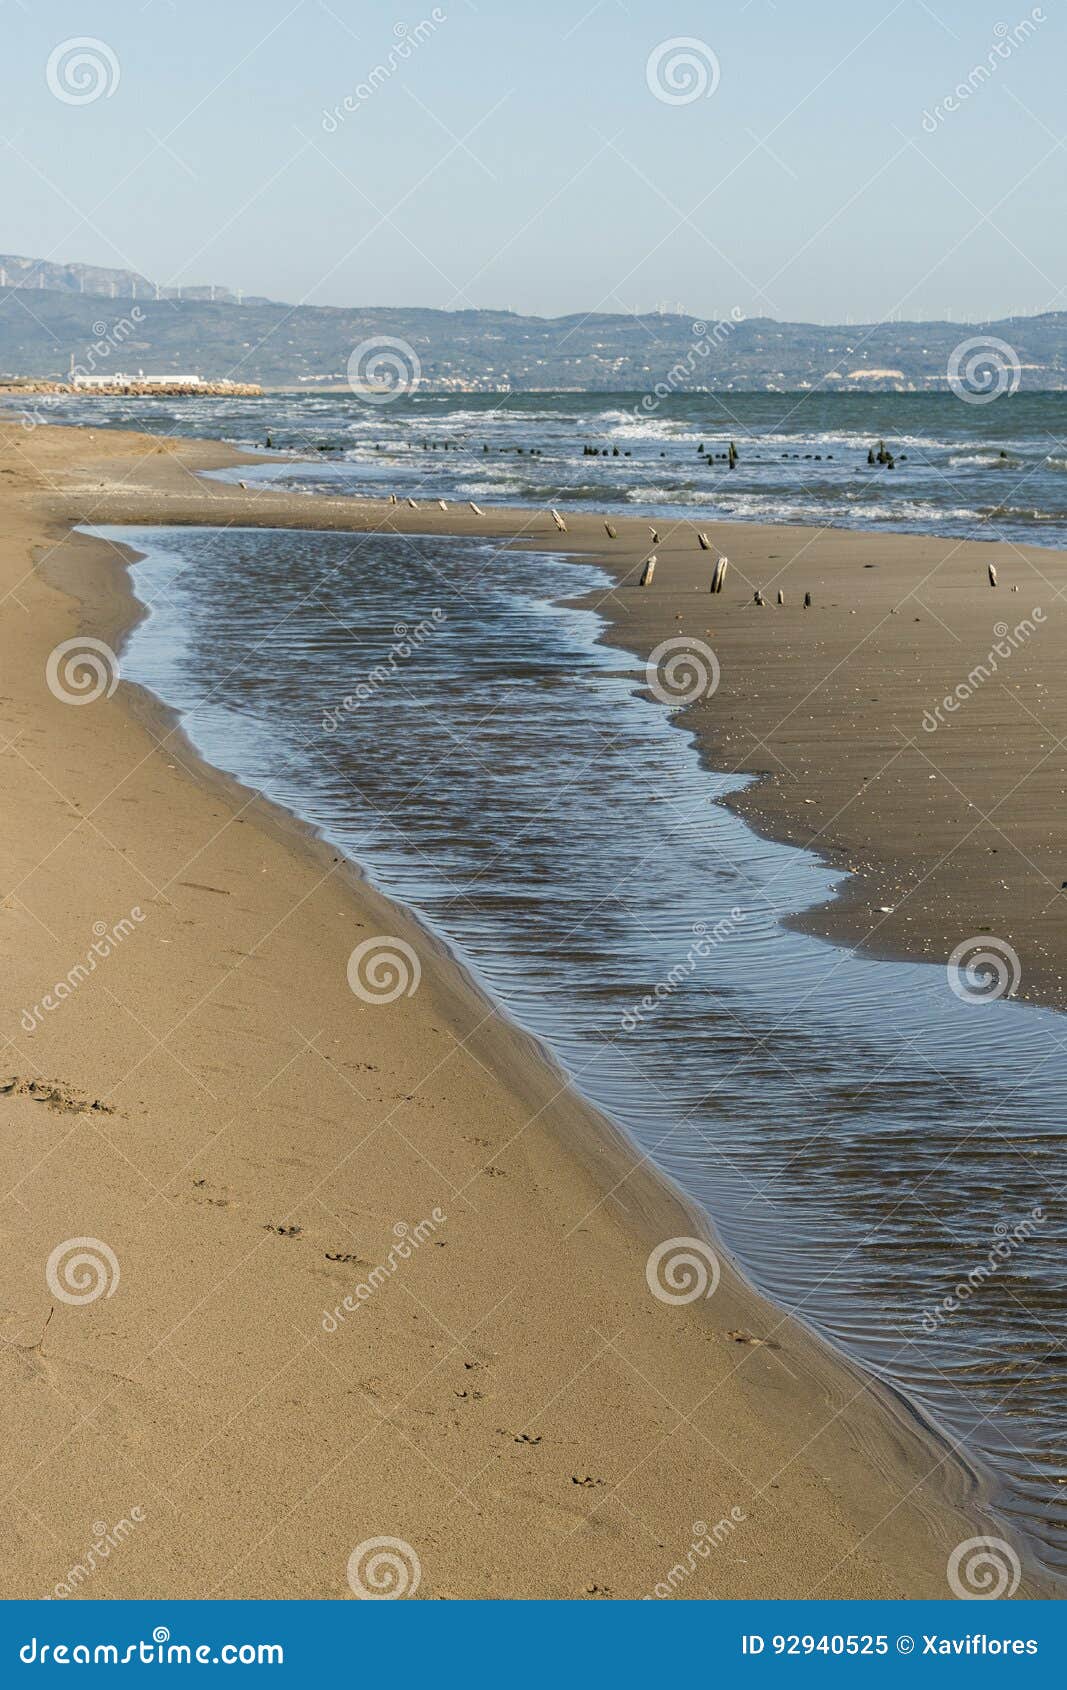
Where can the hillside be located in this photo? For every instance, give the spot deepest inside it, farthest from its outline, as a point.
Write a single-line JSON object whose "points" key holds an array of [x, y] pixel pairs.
{"points": [[43, 328]]}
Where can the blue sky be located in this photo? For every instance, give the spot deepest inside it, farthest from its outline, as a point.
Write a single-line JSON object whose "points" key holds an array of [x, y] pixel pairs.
{"points": [[520, 154]]}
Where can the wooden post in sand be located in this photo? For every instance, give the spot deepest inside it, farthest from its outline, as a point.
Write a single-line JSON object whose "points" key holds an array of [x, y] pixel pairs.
{"points": [[992, 574], [807, 601], [758, 598], [413, 505], [781, 596], [705, 543], [392, 498], [559, 522], [441, 505], [718, 578], [648, 571], [612, 533], [655, 536], [477, 509]]}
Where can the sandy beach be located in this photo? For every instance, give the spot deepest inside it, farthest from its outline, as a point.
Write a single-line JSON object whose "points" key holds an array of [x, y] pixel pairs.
{"points": [[246, 1135]]}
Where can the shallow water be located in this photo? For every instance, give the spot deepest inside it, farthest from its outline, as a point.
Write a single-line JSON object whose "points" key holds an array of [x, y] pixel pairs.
{"points": [[863, 1137], [990, 472]]}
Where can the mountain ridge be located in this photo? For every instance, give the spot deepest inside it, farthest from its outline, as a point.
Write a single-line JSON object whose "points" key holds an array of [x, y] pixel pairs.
{"points": [[51, 320]]}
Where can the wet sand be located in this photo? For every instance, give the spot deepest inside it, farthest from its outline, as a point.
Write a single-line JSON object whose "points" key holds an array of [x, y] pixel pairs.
{"points": [[245, 1135]]}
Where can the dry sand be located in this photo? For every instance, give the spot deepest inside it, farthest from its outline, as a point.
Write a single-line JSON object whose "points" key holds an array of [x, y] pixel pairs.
{"points": [[216, 1106]]}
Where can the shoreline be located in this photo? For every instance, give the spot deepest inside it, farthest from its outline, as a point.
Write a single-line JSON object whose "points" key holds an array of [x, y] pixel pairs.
{"points": [[879, 1432], [898, 622]]}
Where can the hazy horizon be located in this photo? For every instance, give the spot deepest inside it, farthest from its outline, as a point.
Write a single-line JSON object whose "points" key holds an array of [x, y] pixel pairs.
{"points": [[828, 169]]}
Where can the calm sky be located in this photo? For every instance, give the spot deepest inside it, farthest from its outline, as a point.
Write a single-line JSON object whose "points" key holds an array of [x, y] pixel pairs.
{"points": [[796, 160]]}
